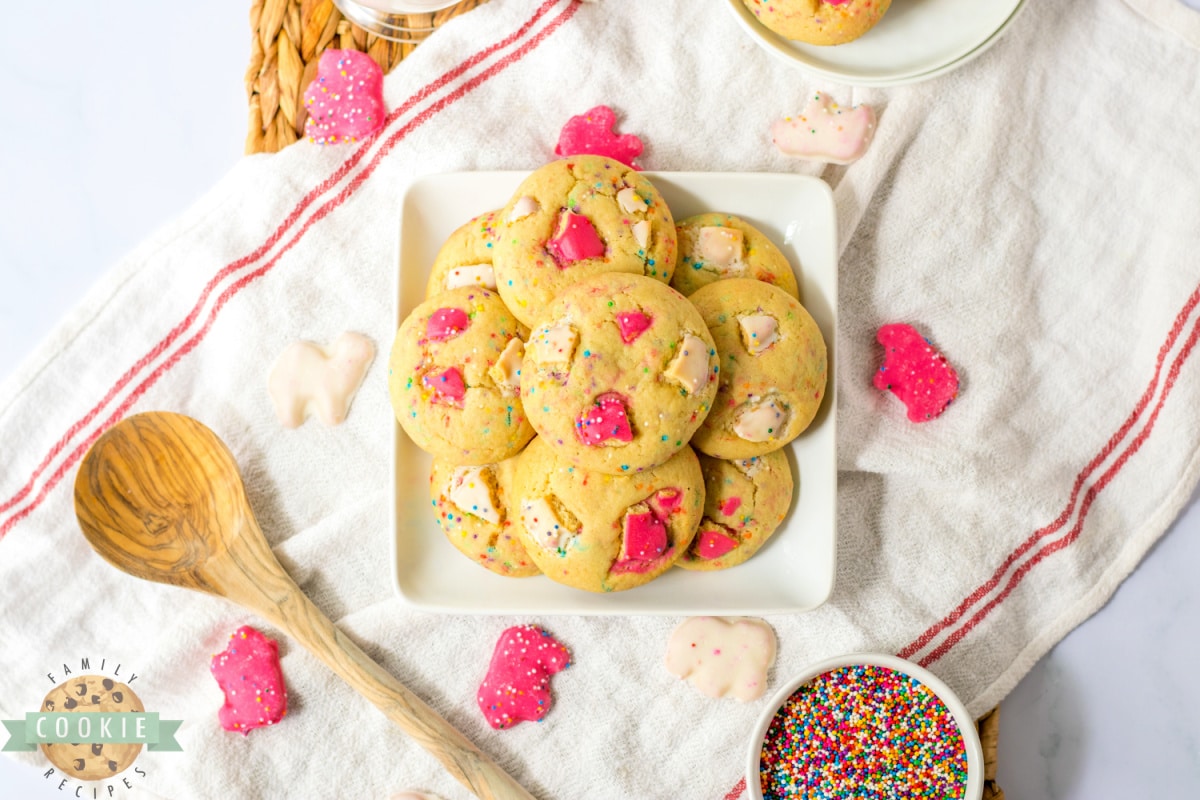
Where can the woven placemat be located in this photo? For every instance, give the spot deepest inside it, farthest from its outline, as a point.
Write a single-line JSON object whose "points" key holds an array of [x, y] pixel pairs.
{"points": [[288, 39]]}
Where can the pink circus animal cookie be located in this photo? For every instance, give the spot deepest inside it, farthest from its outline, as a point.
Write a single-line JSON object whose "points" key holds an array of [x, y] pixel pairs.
{"points": [[310, 380], [825, 131], [915, 372], [517, 686], [619, 372], [345, 101], [592, 133], [723, 657], [248, 672]]}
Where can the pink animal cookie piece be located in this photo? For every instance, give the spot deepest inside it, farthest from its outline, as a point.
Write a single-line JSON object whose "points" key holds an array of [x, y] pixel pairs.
{"points": [[446, 323], [448, 387], [591, 133], [723, 657], [575, 240], [248, 672], [345, 101], [517, 686], [714, 540], [632, 324], [606, 420], [824, 131], [308, 379], [915, 372]]}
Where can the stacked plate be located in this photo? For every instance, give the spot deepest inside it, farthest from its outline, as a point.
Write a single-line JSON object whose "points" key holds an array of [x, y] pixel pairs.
{"points": [[913, 42]]}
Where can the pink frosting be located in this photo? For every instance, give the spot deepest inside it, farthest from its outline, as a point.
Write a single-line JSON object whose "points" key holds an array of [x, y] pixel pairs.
{"points": [[632, 324], [711, 542], [666, 501], [592, 133], [576, 239], [446, 323], [248, 672], [730, 506], [645, 537], [345, 101], [447, 386], [915, 372], [517, 686], [606, 419]]}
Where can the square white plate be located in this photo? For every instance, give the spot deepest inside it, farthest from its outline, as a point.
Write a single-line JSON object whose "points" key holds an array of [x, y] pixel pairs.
{"points": [[793, 571]]}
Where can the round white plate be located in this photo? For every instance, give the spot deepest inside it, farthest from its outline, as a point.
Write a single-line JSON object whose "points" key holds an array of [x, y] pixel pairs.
{"points": [[915, 40]]}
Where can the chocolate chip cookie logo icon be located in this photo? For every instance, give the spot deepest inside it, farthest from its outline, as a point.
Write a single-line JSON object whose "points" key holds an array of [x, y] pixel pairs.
{"points": [[92, 728]]}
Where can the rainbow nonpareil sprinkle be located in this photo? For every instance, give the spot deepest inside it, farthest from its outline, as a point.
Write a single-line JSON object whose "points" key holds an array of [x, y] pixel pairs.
{"points": [[865, 732]]}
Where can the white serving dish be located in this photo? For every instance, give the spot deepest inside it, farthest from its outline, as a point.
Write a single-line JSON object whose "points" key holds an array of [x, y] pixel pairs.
{"points": [[912, 43], [793, 572], [966, 725]]}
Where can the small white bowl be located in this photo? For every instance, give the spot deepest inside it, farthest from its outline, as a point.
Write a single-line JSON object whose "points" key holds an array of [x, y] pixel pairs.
{"points": [[966, 725]]}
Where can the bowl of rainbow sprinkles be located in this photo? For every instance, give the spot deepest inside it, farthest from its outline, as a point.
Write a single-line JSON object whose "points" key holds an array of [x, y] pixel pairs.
{"points": [[868, 726]]}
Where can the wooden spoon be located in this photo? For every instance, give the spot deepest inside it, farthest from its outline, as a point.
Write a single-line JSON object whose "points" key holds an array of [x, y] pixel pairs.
{"points": [[159, 496]]}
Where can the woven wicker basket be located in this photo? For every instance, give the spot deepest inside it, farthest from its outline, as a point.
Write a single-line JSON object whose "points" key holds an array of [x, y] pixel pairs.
{"points": [[288, 39]]}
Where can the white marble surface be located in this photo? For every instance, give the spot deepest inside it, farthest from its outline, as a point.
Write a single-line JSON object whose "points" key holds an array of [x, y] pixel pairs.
{"points": [[1110, 712]]}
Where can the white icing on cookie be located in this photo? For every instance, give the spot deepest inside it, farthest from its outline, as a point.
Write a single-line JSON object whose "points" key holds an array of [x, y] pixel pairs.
{"points": [[506, 372], [748, 466], [689, 368], [630, 201], [308, 379], [759, 331], [723, 657], [469, 490], [720, 248], [553, 344], [761, 421], [825, 131], [542, 524], [523, 208], [641, 232], [471, 275]]}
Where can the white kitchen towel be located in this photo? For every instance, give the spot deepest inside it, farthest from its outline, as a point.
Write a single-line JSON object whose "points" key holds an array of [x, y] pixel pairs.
{"points": [[1033, 213]]}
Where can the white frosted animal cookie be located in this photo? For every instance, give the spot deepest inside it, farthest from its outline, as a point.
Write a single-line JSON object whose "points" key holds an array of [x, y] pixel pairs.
{"points": [[310, 380], [723, 656], [825, 131]]}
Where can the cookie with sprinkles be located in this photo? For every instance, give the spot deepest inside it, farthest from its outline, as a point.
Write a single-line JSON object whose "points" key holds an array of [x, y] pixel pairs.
{"points": [[465, 258], [605, 533], [773, 368], [344, 102], [619, 372], [716, 246], [454, 378], [745, 501], [576, 218], [821, 22], [517, 686], [248, 672], [915, 372], [472, 505]]}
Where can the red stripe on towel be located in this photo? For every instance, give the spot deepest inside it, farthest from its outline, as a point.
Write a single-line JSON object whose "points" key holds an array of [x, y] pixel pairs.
{"points": [[1110, 446], [1088, 497], [321, 213], [336, 177]]}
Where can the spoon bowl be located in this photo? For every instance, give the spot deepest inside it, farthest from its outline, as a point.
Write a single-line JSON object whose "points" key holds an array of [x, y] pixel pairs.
{"points": [[160, 497]]}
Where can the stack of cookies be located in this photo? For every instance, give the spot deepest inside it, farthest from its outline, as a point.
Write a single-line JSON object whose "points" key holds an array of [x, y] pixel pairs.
{"points": [[575, 350]]}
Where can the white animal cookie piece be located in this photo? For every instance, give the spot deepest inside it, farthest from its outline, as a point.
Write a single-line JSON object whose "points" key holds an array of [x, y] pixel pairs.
{"points": [[723, 657], [308, 379]]}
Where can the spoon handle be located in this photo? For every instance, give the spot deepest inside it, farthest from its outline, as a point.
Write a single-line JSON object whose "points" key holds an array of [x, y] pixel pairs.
{"points": [[261, 584], [462, 759]]}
